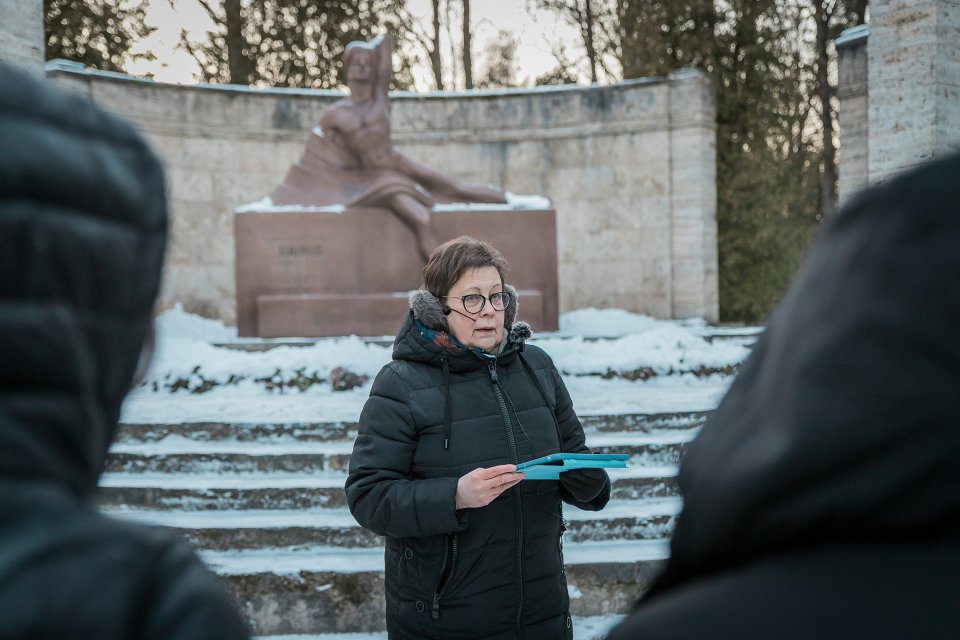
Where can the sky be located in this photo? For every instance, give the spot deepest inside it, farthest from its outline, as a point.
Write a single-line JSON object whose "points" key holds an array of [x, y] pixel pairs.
{"points": [[535, 29]]}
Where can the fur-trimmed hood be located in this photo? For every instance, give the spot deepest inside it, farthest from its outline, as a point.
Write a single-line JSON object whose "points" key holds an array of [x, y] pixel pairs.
{"points": [[427, 309]]}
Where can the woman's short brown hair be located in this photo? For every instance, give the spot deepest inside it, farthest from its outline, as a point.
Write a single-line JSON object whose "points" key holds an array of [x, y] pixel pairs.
{"points": [[453, 258]]}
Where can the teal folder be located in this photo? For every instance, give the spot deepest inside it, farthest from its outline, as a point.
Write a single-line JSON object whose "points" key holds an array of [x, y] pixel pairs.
{"points": [[550, 467]]}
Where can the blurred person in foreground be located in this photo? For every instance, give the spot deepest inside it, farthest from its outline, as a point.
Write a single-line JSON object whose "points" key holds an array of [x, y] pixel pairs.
{"points": [[83, 227], [822, 499], [472, 550]]}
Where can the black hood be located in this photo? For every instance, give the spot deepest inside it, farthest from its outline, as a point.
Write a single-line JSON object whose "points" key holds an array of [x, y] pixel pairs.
{"points": [[842, 425], [82, 237]]}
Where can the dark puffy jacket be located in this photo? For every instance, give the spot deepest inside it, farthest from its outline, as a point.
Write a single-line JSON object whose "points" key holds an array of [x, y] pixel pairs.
{"points": [[822, 499], [82, 236], [435, 414]]}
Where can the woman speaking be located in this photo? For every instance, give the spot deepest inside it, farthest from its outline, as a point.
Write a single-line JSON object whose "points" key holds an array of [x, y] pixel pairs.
{"points": [[472, 551]]}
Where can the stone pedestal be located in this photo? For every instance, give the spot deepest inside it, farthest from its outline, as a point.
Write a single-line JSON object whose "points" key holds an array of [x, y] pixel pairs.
{"points": [[329, 271]]}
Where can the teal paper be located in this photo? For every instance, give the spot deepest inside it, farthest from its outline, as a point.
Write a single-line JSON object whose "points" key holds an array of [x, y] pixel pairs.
{"points": [[550, 467]]}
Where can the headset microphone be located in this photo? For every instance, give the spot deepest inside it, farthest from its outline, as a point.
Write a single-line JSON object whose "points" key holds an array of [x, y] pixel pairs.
{"points": [[446, 311]]}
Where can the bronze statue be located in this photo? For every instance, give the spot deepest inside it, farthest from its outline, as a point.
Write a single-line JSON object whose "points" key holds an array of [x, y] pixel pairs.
{"points": [[352, 161]]}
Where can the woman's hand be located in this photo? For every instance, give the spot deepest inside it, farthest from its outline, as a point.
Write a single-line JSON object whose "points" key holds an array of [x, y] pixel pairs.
{"points": [[481, 486]]}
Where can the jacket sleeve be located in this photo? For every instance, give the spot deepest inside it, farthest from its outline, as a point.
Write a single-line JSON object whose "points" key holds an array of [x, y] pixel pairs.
{"points": [[588, 489], [381, 493]]}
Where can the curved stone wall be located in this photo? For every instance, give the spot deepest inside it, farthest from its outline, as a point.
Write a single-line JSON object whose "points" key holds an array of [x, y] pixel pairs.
{"points": [[630, 168], [21, 34]]}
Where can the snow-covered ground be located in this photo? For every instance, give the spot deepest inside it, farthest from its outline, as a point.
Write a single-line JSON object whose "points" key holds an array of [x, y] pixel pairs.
{"points": [[612, 361]]}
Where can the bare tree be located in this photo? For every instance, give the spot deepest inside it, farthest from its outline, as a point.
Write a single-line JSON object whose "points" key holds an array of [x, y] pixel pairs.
{"points": [[434, 50], [563, 73], [101, 35], [467, 56], [830, 17], [589, 17], [429, 41], [240, 65], [500, 66], [291, 43], [828, 171], [588, 29]]}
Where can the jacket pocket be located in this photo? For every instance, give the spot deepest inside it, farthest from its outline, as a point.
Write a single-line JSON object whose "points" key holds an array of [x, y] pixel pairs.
{"points": [[448, 568]]}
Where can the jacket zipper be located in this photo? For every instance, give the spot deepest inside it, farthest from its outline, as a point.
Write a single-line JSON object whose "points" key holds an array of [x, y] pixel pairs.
{"points": [[449, 552], [517, 501], [563, 529]]}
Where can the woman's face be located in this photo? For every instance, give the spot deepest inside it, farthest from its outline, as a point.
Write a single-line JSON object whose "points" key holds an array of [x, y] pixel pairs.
{"points": [[485, 328]]}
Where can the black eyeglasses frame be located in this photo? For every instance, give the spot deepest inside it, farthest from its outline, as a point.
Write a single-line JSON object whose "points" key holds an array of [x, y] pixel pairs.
{"points": [[504, 295]]}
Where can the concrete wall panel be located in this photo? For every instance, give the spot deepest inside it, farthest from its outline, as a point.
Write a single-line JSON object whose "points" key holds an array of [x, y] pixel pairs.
{"points": [[21, 34]]}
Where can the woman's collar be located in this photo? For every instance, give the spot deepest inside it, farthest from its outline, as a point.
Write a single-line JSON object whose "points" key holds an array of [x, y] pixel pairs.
{"points": [[447, 341]]}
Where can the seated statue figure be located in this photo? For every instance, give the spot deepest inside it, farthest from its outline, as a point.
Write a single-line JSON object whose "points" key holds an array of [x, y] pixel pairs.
{"points": [[351, 161]]}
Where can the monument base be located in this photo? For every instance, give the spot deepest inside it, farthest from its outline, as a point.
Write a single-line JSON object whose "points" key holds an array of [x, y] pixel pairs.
{"points": [[329, 271], [319, 314]]}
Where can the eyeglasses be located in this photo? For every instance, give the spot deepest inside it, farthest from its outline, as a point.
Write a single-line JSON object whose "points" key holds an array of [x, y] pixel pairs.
{"points": [[475, 302]]}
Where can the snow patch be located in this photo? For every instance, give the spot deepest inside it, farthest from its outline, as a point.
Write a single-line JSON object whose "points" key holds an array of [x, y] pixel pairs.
{"points": [[678, 370], [266, 205]]}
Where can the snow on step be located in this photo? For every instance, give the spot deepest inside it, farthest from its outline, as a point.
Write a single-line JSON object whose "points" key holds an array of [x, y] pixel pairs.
{"points": [[296, 480], [341, 517], [335, 526], [301, 491], [223, 481], [179, 445], [330, 559], [280, 432], [592, 395], [180, 455], [239, 518]]}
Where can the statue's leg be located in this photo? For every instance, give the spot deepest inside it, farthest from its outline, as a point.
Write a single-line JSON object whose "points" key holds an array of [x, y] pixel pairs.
{"points": [[436, 181], [415, 215]]}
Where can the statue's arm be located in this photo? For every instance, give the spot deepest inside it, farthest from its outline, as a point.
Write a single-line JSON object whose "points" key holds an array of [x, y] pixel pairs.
{"points": [[383, 45], [330, 124]]}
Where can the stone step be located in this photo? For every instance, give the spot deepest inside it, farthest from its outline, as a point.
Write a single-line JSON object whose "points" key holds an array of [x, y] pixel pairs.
{"points": [[175, 454], [328, 431], [584, 628], [236, 530], [297, 491], [645, 422], [335, 590], [239, 431]]}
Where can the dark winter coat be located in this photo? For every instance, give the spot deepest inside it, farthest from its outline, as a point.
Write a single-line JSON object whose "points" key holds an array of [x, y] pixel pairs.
{"points": [[82, 237], [435, 414], [822, 500]]}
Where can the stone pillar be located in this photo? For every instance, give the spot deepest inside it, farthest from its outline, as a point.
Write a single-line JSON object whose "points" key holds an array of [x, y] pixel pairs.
{"points": [[21, 33], [914, 78], [693, 182], [854, 98]]}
